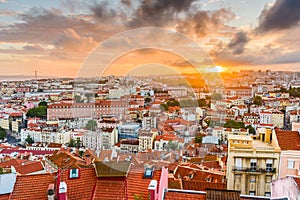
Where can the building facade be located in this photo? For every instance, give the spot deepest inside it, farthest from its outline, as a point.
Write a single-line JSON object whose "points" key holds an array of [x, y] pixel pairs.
{"points": [[251, 165]]}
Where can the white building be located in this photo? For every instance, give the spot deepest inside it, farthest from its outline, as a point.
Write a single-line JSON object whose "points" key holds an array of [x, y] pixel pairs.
{"points": [[110, 137], [92, 140]]}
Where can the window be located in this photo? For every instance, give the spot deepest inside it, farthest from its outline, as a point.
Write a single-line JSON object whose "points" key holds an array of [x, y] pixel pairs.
{"points": [[253, 164], [252, 193], [291, 164], [238, 163], [74, 173], [268, 194], [269, 165], [252, 179]]}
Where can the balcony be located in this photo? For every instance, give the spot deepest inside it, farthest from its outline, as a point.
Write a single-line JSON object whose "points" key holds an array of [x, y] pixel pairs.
{"points": [[253, 170]]}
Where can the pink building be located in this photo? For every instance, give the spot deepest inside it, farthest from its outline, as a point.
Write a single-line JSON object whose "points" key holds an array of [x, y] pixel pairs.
{"points": [[289, 143], [286, 187]]}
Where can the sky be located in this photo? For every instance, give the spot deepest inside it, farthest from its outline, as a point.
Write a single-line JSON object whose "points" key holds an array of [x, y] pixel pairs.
{"points": [[62, 38]]}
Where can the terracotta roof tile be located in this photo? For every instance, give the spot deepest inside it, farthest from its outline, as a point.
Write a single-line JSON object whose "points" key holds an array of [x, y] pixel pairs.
{"points": [[297, 181], [82, 187], [180, 195], [202, 185], [137, 185], [109, 189], [30, 167], [288, 140], [29, 186]]}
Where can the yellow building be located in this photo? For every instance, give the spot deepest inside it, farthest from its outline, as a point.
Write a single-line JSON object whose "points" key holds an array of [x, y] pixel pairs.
{"points": [[251, 165]]}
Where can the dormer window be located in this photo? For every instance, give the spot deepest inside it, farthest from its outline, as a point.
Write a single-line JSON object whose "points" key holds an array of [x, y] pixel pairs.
{"points": [[73, 173], [149, 171]]}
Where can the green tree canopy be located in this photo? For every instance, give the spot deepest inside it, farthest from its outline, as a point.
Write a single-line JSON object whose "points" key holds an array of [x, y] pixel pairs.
{"points": [[40, 112], [71, 143], [173, 103], [2, 133], [251, 129], [202, 103], [29, 139], [164, 107], [43, 103], [257, 100], [91, 125], [198, 139], [234, 124]]}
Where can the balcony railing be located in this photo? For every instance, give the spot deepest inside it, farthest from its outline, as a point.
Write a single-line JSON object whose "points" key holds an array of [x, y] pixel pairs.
{"points": [[254, 170]]}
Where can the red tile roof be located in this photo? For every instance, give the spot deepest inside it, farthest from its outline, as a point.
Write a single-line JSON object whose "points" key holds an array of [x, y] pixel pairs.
{"points": [[110, 189], [137, 185], [202, 185], [172, 195], [12, 162], [32, 186], [82, 187], [297, 181], [288, 140], [30, 167]]}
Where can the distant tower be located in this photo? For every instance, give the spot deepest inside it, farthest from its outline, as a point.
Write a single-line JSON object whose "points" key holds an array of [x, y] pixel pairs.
{"points": [[35, 74]]}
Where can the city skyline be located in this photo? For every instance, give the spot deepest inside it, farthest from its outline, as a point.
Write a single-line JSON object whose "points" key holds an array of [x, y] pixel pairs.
{"points": [[56, 37]]}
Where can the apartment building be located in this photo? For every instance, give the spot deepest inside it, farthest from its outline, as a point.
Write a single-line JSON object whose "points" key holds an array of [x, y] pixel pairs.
{"points": [[86, 110], [251, 165]]}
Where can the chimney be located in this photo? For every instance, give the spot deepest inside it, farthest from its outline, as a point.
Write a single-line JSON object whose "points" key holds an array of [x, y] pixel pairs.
{"points": [[50, 192], [152, 188], [62, 192]]}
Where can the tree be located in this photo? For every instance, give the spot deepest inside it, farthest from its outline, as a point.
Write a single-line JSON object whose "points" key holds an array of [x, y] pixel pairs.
{"points": [[29, 139], [78, 143], [202, 103], [251, 129], [43, 103], [1, 170], [40, 112], [173, 103], [234, 124], [148, 99], [78, 99], [216, 96], [198, 139], [257, 100], [72, 143], [91, 125], [88, 96], [164, 107], [2, 133]]}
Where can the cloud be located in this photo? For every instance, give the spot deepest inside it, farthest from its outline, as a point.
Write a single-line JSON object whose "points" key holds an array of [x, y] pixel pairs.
{"points": [[7, 12], [103, 11], [284, 14], [238, 42], [33, 48], [158, 13], [202, 23], [70, 40]]}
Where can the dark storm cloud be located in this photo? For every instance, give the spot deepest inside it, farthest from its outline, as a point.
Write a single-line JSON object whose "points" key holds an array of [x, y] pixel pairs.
{"points": [[202, 23], [238, 42], [283, 14], [103, 11], [158, 13]]}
